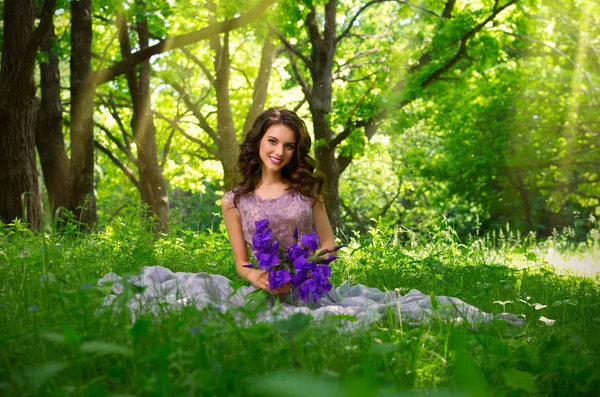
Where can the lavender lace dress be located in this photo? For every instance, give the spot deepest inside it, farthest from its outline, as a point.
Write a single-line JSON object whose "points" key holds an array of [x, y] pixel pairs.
{"points": [[174, 290]]}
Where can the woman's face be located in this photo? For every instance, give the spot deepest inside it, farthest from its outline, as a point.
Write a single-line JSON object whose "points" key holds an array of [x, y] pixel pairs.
{"points": [[277, 147]]}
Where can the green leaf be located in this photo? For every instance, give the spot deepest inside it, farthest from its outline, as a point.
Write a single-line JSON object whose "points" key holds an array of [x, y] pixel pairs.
{"points": [[117, 374], [105, 348], [54, 337], [520, 380], [41, 374], [468, 374], [383, 348], [71, 336], [293, 324], [140, 328], [341, 317], [289, 384]]}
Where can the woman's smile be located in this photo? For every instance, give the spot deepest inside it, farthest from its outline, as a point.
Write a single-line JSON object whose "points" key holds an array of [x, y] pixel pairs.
{"points": [[275, 160]]}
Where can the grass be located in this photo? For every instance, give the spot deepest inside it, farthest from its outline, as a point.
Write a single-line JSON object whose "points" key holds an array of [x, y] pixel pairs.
{"points": [[55, 341]]}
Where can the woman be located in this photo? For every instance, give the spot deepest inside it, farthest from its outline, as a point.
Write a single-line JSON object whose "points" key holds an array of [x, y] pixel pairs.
{"points": [[279, 184]]}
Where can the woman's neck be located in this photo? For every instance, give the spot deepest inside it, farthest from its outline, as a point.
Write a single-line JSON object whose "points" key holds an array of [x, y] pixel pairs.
{"points": [[270, 179]]}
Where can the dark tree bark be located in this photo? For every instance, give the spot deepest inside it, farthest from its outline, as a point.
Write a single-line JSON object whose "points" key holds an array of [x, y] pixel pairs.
{"points": [[18, 173], [319, 102], [152, 187], [519, 185], [227, 144], [82, 201], [49, 138]]}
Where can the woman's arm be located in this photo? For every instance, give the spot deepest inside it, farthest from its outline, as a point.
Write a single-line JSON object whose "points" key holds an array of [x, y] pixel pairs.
{"points": [[322, 225], [238, 245]]}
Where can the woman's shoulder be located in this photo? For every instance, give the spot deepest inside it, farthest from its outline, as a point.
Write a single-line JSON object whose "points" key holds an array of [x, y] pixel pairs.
{"points": [[230, 196]]}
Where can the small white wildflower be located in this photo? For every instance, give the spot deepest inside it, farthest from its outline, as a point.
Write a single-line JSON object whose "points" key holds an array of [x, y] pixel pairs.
{"points": [[547, 321]]}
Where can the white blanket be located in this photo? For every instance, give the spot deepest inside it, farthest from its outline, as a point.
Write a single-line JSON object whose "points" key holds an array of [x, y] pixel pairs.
{"points": [[166, 290]]}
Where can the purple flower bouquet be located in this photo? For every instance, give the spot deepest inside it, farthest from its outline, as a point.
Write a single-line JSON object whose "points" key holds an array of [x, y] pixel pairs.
{"points": [[303, 264]]}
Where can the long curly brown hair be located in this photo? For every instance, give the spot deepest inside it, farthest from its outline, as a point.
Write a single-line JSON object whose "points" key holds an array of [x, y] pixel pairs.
{"points": [[300, 171]]}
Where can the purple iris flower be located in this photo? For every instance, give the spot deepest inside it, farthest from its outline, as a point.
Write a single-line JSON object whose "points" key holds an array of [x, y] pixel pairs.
{"points": [[296, 251], [310, 241], [325, 285], [278, 278], [323, 271], [321, 276], [300, 277], [267, 260], [309, 291], [263, 223], [310, 278], [262, 239], [301, 264], [275, 248]]}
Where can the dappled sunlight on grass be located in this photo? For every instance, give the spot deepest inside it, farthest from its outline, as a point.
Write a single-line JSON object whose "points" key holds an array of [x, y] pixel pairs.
{"points": [[583, 264]]}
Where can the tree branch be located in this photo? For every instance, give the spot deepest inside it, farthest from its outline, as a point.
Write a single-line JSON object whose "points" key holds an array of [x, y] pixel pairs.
{"points": [[350, 125], [448, 8], [169, 44], [126, 170], [261, 83], [388, 204], [244, 75], [119, 144], [289, 45], [346, 31], [167, 148], [35, 41], [462, 51], [202, 122], [112, 109], [175, 125], [199, 63], [329, 31], [313, 29], [305, 88]]}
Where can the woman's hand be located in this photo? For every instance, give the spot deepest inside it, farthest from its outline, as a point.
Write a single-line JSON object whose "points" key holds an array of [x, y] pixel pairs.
{"points": [[284, 289], [260, 279]]}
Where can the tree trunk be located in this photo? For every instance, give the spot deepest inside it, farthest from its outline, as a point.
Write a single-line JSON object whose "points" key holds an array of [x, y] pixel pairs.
{"points": [[153, 189], [322, 53], [520, 187], [327, 165], [18, 173], [83, 201], [261, 84], [49, 137], [228, 146]]}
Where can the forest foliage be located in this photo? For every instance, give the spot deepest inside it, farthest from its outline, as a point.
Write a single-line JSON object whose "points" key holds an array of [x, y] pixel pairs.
{"points": [[483, 113]]}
